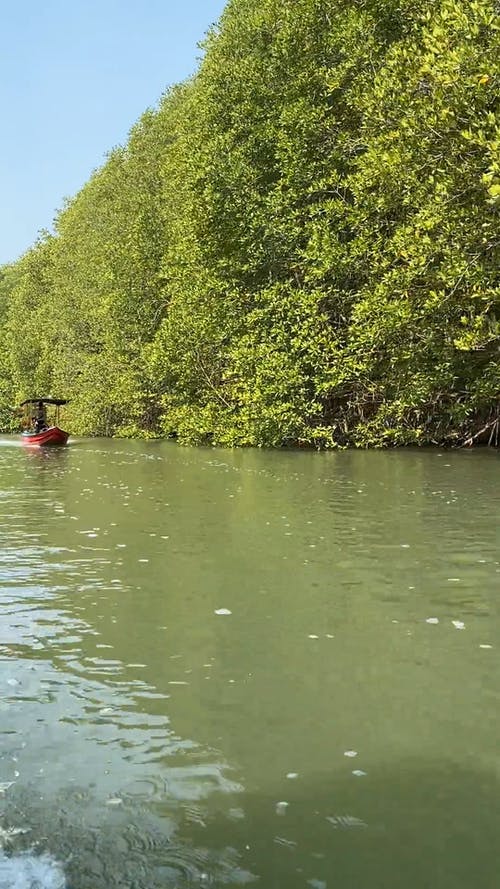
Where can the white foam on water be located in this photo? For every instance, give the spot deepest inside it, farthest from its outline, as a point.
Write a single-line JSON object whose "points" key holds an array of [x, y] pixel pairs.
{"points": [[281, 807], [30, 872]]}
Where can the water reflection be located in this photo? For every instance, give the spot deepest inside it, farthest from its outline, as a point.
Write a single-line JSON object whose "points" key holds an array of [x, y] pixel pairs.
{"points": [[89, 775], [419, 823], [182, 630], [435, 824]]}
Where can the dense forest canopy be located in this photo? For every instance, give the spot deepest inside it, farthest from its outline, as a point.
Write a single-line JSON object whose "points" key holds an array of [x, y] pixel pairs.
{"points": [[300, 245]]}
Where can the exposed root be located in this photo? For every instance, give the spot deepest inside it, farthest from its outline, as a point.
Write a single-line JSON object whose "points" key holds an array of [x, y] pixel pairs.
{"points": [[493, 426]]}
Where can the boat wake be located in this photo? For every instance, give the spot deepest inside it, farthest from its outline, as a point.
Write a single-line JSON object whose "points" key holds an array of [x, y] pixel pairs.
{"points": [[27, 871]]}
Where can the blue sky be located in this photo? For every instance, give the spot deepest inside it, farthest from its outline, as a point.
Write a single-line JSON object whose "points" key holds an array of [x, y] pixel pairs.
{"points": [[74, 76]]}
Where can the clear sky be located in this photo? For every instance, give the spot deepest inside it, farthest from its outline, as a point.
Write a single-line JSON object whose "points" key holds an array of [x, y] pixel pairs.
{"points": [[74, 77]]}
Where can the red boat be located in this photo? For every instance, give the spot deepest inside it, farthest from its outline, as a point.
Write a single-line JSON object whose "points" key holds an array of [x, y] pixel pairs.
{"points": [[39, 433], [50, 436]]}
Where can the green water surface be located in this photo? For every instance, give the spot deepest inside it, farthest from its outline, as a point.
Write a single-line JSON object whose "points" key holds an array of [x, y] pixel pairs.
{"points": [[338, 728]]}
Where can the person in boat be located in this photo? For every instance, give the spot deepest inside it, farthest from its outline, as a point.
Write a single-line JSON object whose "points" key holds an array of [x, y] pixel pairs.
{"points": [[40, 418]]}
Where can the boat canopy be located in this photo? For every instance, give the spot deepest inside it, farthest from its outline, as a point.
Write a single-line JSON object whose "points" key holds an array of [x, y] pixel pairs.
{"points": [[56, 401]]}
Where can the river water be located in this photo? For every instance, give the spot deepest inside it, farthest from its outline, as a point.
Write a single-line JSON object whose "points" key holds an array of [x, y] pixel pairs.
{"points": [[219, 668]]}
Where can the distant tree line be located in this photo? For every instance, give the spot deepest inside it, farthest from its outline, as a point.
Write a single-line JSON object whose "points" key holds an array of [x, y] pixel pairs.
{"points": [[300, 245]]}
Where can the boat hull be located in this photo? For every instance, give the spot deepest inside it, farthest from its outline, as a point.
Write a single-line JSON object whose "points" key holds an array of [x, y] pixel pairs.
{"points": [[51, 437]]}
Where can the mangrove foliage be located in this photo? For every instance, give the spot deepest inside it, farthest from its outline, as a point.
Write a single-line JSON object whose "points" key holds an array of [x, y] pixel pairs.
{"points": [[299, 245]]}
